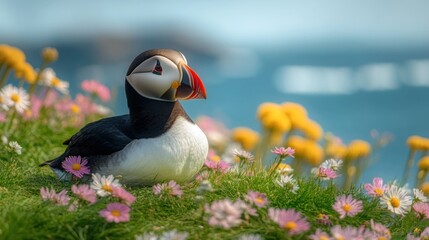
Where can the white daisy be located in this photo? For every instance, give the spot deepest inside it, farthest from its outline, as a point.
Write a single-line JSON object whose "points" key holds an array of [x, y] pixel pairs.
{"points": [[4, 140], [49, 78], [243, 155], [397, 199], [287, 182], [174, 235], [102, 110], [15, 97], [3, 105], [332, 164], [284, 169], [15, 147], [419, 196], [103, 185]]}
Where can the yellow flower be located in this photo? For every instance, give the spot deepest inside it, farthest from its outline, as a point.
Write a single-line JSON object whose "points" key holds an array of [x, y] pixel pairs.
{"points": [[312, 130], [337, 151], [49, 54], [415, 142], [276, 121], [425, 188], [12, 56], [294, 109], [313, 152], [297, 143], [75, 108], [358, 149], [246, 137], [424, 163], [298, 121], [25, 71], [266, 109], [284, 168], [425, 144]]}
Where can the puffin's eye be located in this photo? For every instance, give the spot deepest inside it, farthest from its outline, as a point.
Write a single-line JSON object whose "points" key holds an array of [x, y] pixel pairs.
{"points": [[157, 69]]}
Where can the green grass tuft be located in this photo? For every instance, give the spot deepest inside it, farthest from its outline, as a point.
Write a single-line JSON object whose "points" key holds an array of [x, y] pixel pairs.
{"points": [[23, 215]]}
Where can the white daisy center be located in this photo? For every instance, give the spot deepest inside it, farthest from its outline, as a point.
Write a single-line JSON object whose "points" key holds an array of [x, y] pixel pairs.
{"points": [[395, 202], [15, 97]]}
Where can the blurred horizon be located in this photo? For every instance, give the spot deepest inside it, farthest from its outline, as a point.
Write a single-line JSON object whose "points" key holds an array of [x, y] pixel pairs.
{"points": [[354, 66]]}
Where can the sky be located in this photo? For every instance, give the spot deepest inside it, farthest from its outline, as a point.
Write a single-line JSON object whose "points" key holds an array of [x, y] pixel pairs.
{"points": [[384, 23]]}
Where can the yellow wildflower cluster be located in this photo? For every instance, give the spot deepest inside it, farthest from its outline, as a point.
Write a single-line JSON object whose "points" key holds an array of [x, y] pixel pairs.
{"points": [[424, 163], [358, 149], [12, 58], [288, 125], [306, 149], [246, 137], [49, 55], [418, 143], [425, 188], [273, 118], [335, 149]]}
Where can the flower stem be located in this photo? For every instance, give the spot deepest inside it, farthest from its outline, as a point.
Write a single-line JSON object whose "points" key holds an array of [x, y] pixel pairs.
{"points": [[408, 166], [261, 150], [273, 168], [347, 180], [10, 123], [420, 178], [3, 77], [36, 81], [359, 169]]}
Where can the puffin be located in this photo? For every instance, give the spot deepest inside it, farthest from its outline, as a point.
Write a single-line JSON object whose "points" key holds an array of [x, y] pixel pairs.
{"points": [[157, 141]]}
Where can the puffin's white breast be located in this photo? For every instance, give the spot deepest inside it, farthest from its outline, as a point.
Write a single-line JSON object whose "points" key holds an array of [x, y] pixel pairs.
{"points": [[178, 155]]}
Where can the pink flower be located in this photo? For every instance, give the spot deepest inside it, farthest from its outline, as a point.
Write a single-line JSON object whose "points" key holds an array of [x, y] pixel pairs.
{"points": [[257, 198], [323, 219], [425, 233], [172, 188], [2, 117], [349, 232], [224, 213], [422, 209], [247, 209], [319, 235], [347, 206], [85, 104], [290, 220], [219, 166], [121, 193], [85, 192], [202, 176], [380, 231], [284, 152], [324, 173], [376, 189], [116, 212], [60, 198], [34, 111], [76, 166], [96, 88]]}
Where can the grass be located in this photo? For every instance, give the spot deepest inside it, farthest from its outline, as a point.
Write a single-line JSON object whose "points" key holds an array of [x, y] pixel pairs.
{"points": [[23, 215]]}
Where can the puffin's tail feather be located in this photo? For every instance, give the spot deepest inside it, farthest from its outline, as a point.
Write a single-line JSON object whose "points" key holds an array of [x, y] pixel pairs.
{"points": [[46, 163], [49, 162]]}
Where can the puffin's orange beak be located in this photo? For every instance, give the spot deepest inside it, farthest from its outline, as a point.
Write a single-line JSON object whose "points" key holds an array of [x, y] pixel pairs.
{"points": [[191, 86]]}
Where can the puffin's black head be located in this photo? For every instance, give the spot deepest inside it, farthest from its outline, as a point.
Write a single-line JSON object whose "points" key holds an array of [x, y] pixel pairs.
{"points": [[163, 74]]}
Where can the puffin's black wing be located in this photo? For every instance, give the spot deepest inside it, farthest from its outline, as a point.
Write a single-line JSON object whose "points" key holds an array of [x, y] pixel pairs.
{"points": [[99, 138]]}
